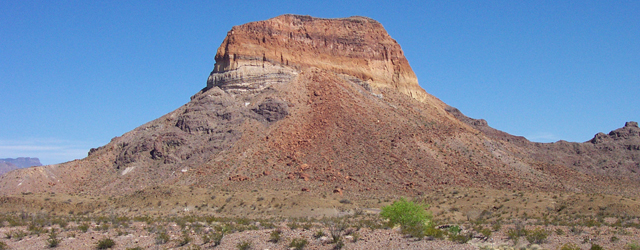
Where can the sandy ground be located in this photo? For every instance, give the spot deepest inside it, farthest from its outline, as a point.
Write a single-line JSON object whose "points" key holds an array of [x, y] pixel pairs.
{"points": [[139, 234]]}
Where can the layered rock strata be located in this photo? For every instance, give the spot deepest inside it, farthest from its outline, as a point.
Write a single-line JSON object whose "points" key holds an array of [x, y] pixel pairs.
{"points": [[257, 53]]}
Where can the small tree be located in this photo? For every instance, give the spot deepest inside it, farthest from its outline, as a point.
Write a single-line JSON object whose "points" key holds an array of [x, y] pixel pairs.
{"points": [[412, 218]]}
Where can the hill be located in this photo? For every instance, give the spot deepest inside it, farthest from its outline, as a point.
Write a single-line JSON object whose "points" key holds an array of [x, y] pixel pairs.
{"points": [[326, 106]]}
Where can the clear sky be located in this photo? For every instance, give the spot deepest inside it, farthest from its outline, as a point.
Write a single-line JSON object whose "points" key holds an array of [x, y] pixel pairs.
{"points": [[74, 74]]}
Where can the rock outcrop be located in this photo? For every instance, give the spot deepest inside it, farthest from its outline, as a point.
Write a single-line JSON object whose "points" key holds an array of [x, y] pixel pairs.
{"points": [[276, 49]]}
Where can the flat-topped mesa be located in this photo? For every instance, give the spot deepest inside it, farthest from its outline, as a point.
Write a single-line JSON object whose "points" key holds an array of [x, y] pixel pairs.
{"points": [[275, 49]]}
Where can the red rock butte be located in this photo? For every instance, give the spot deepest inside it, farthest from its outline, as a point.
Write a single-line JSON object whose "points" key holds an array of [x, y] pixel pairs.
{"points": [[354, 46]]}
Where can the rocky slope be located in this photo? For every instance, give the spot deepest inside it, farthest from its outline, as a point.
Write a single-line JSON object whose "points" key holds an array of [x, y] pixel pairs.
{"points": [[329, 105], [5, 167]]}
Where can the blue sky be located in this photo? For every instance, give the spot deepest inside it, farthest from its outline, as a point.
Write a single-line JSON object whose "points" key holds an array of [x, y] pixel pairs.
{"points": [[74, 74]]}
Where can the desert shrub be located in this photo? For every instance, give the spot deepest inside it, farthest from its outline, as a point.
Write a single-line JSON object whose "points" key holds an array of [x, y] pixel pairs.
{"points": [[35, 229], [356, 236], [336, 232], [412, 218], [53, 240], [105, 243], [569, 246], [244, 245], [537, 236], [496, 226], [596, 247], [484, 231], [275, 236], [217, 238], [455, 229], [293, 225], [517, 232], [345, 201], [432, 231], [460, 238], [103, 227], [298, 243], [206, 238], [318, 234], [339, 244], [185, 238], [17, 234], [84, 227], [162, 238], [632, 246], [3, 245], [134, 248], [559, 231], [614, 239]]}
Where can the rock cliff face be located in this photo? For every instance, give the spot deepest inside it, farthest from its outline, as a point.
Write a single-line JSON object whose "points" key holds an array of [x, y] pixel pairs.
{"points": [[275, 49], [329, 105]]}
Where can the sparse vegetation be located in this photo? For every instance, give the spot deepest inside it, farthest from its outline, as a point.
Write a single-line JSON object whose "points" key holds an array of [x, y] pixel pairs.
{"points": [[298, 243], [632, 246], [569, 246], [162, 238], [412, 218], [84, 227], [105, 243], [244, 245], [53, 240], [537, 236], [185, 239], [275, 236], [318, 234], [517, 232], [217, 238]]}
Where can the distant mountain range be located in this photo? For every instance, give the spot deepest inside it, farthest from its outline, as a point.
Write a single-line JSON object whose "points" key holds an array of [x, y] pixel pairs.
{"points": [[9, 164]]}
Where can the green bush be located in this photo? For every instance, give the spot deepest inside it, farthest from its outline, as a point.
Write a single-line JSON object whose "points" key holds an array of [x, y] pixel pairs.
{"points": [[105, 243], [3, 245], [412, 218], [298, 243], [455, 229], [596, 247]]}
